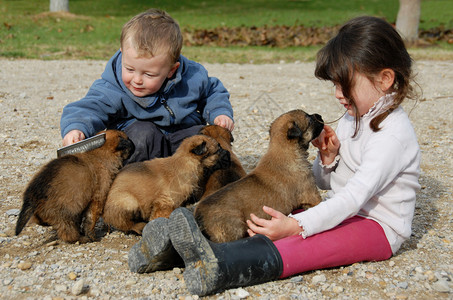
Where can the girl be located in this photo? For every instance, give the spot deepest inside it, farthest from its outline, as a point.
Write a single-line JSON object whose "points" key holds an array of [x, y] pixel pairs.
{"points": [[370, 165]]}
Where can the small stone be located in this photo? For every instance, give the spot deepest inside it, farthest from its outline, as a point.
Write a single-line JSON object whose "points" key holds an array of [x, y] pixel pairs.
{"points": [[77, 288], [427, 286], [72, 276], [441, 286], [33, 253], [444, 276], [7, 281], [338, 289], [13, 212], [53, 243], [430, 275], [318, 279], [24, 265], [297, 279], [402, 285], [95, 292], [241, 293], [60, 288], [391, 263]]}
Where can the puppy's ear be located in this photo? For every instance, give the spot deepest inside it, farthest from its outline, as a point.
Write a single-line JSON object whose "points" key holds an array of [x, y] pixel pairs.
{"points": [[294, 132], [200, 149], [122, 144]]}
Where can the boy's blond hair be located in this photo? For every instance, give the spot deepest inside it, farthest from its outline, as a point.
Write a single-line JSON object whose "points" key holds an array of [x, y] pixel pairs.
{"points": [[151, 32]]}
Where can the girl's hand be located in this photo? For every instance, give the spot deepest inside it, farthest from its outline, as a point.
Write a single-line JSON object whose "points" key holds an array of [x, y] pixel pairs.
{"points": [[328, 144], [72, 137], [225, 122], [278, 227]]}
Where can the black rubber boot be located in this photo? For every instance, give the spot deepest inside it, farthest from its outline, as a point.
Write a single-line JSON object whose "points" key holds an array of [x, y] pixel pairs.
{"points": [[212, 267], [154, 251]]}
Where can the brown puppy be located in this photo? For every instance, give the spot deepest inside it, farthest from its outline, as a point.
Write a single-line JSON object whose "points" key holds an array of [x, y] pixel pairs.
{"points": [[282, 180], [151, 189], [222, 177], [75, 186]]}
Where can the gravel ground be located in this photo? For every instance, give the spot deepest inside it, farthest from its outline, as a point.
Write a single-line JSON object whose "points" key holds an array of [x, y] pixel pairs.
{"points": [[36, 266]]}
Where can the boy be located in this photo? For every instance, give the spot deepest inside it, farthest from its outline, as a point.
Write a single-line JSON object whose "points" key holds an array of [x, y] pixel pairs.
{"points": [[150, 91]]}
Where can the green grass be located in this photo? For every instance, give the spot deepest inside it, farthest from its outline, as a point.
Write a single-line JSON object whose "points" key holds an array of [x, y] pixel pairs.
{"points": [[92, 29]]}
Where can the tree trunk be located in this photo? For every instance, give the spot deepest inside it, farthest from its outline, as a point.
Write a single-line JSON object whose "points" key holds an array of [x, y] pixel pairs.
{"points": [[408, 19], [59, 5]]}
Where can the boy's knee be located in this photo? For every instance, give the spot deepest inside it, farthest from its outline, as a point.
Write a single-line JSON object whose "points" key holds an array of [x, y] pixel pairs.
{"points": [[177, 137], [149, 141]]}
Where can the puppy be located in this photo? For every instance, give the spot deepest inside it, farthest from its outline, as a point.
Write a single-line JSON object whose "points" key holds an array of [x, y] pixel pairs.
{"points": [[222, 177], [73, 187], [282, 180], [147, 190]]}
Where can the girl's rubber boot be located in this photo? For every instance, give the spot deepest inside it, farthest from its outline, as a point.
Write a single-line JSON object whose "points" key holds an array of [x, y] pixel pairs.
{"points": [[212, 267], [154, 251]]}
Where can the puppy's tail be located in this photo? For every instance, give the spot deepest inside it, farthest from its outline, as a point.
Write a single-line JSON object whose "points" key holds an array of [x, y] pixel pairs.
{"points": [[25, 214]]}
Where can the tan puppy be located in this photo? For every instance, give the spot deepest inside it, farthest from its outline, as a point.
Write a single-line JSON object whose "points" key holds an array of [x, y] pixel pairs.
{"points": [[222, 177], [74, 187], [151, 189], [282, 180]]}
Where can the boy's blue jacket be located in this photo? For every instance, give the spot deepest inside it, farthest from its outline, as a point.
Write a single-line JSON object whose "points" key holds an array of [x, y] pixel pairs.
{"points": [[189, 98]]}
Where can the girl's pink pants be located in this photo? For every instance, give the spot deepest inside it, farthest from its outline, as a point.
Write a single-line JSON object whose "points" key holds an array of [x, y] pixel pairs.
{"points": [[356, 239]]}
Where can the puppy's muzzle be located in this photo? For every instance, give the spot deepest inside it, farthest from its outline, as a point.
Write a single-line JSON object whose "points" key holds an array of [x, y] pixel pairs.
{"points": [[224, 159], [317, 124]]}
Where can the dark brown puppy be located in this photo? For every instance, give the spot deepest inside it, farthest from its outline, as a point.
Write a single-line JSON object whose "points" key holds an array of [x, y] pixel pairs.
{"points": [[222, 177], [151, 189], [282, 180], [73, 187]]}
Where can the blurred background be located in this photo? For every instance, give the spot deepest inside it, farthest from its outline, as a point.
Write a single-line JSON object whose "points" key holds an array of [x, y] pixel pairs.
{"points": [[216, 31]]}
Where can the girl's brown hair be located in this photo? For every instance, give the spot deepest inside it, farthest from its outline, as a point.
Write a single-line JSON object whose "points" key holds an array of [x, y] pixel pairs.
{"points": [[151, 31], [366, 45]]}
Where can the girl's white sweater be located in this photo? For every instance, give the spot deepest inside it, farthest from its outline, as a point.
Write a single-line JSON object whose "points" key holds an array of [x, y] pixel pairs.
{"points": [[375, 176]]}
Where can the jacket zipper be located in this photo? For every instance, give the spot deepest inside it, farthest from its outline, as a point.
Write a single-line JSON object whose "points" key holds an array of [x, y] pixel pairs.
{"points": [[164, 103]]}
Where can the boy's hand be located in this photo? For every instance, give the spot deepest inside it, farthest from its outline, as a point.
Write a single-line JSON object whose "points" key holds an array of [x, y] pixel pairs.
{"points": [[278, 227], [72, 137], [328, 144], [225, 122]]}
